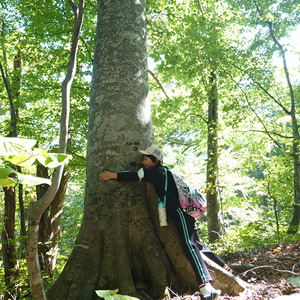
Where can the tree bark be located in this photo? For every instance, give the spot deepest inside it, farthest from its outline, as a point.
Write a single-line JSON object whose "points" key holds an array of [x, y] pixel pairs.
{"points": [[10, 262], [212, 169], [294, 225], [23, 231], [44, 226], [55, 217], [49, 229]]}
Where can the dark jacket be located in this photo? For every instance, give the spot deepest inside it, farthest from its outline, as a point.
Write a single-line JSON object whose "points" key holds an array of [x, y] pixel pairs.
{"points": [[156, 176]]}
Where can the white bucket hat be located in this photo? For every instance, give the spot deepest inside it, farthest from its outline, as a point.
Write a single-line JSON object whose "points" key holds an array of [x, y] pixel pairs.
{"points": [[153, 150]]}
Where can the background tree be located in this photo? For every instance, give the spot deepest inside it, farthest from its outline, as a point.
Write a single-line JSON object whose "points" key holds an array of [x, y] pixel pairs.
{"points": [[202, 51], [272, 26], [36, 209], [49, 229], [12, 86], [38, 45], [217, 32]]}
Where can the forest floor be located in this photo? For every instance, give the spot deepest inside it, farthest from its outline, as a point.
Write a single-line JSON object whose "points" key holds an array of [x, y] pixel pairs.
{"points": [[267, 269]]}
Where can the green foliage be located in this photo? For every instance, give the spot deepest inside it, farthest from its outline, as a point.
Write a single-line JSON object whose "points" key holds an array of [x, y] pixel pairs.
{"points": [[10, 177], [112, 295], [246, 227], [19, 152], [23, 282], [42, 34], [14, 146], [71, 217]]}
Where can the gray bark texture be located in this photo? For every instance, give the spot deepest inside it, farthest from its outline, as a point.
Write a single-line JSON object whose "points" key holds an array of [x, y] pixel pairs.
{"points": [[212, 169], [120, 243]]}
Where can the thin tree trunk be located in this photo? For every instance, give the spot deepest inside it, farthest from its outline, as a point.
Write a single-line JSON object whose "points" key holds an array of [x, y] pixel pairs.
{"points": [[55, 217], [23, 231], [10, 262], [11, 266], [15, 90], [212, 173], [274, 206], [44, 226], [37, 208], [294, 225], [49, 229]]}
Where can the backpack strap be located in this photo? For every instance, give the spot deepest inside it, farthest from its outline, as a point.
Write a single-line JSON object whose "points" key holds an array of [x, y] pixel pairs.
{"points": [[166, 186]]}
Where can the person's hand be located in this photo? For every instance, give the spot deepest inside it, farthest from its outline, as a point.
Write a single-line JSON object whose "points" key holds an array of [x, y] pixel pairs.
{"points": [[106, 175]]}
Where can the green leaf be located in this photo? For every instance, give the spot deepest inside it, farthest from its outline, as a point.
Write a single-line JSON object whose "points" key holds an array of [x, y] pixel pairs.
{"points": [[6, 179], [107, 294], [24, 159], [53, 160], [8, 182], [10, 177], [112, 295], [295, 281], [124, 297], [32, 180], [14, 146], [5, 172]]}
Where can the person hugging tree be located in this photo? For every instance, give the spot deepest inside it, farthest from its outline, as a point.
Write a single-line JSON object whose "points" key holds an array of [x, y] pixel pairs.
{"points": [[154, 173]]}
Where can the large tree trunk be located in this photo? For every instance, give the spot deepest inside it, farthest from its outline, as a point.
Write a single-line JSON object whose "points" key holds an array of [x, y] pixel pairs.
{"points": [[120, 243], [212, 169]]}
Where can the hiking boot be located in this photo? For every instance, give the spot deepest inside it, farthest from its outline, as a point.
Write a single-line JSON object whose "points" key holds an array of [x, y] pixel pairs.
{"points": [[214, 294]]}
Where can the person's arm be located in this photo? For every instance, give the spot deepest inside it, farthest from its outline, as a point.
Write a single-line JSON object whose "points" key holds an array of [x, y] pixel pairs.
{"points": [[106, 175], [127, 176]]}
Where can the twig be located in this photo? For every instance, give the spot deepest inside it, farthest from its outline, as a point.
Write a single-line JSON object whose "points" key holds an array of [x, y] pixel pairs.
{"points": [[169, 290], [271, 132], [252, 109], [159, 84], [260, 267]]}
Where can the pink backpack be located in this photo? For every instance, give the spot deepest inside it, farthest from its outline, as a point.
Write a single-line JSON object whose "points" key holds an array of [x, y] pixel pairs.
{"points": [[191, 201]]}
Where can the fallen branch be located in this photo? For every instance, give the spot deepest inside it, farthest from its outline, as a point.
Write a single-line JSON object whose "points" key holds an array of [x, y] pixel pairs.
{"points": [[277, 270]]}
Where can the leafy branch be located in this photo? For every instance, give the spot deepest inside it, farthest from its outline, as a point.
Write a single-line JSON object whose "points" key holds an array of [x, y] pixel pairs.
{"points": [[253, 110], [18, 152]]}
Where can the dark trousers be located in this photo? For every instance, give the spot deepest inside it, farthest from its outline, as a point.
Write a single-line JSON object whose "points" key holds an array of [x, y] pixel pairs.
{"points": [[192, 247]]}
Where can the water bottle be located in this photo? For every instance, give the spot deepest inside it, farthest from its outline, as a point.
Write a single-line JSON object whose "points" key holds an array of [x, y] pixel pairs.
{"points": [[162, 214]]}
